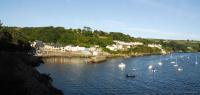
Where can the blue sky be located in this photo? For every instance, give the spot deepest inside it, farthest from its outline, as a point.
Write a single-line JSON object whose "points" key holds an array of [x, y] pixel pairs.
{"points": [[166, 19]]}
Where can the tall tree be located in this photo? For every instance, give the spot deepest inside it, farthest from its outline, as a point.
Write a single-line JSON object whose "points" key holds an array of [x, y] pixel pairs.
{"points": [[1, 25]]}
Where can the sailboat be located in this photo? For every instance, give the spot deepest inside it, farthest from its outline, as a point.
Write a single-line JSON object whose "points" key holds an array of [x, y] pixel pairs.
{"points": [[153, 70], [180, 69], [196, 62], [160, 62], [176, 65], [150, 67], [173, 62], [122, 65], [134, 69]]}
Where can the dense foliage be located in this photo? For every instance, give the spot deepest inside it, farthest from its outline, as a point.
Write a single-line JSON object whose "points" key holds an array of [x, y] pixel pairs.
{"points": [[17, 67], [60, 35]]}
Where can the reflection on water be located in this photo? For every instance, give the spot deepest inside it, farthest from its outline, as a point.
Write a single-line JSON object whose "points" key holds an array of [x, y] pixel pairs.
{"points": [[122, 68], [108, 79], [64, 60]]}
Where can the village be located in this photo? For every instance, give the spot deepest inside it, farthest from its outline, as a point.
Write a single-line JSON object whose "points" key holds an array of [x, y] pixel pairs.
{"points": [[51, 49]]}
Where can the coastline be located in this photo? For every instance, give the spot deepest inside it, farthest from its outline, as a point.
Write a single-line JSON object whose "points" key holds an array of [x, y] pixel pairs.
{"points": [[101, 58]]}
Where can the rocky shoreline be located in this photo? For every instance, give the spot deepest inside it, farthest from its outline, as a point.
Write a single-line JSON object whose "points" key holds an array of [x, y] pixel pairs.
{"points": [[20, 77], [99, 59]]}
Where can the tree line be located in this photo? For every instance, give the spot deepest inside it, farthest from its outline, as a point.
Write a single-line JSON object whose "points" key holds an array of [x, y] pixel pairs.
{"points": [[87, 37]]}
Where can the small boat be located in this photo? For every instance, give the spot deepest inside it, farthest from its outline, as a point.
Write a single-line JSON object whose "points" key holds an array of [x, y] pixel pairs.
{"points": [[134, 69], [180, 69], [196, 62], [175, 65], [121, 65], [130, 76], [160, 63], [150, 67], [173, 62]]}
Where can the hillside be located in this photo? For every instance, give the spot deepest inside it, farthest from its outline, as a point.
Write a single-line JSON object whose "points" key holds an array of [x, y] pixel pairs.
{"points": [[18, 69], [87, 37]]}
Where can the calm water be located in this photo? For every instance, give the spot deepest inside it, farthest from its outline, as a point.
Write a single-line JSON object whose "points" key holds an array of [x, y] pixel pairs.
{"points": [[75, 77]]}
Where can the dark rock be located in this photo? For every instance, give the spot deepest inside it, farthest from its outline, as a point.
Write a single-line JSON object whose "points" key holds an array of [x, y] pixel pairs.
{"points": [[19, 76]]}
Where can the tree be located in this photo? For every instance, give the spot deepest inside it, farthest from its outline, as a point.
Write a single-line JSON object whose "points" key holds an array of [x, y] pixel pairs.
{"points": [[1, 25], [85, 28], [5, 37]]}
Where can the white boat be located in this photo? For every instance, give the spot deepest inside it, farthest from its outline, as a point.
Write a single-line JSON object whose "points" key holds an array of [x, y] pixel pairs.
{"points": [[160, 63], [173, 62], [175, 65], [134, 69], [196, 62], [180, 69], [150, 67], [121, 65]]}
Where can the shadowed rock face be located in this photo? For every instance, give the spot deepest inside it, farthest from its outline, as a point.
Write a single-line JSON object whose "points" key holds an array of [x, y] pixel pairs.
{"points": [[19, 77]]}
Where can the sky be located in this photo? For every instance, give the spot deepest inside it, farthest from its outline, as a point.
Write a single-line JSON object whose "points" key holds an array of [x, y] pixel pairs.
{"points": [[163, 19]]}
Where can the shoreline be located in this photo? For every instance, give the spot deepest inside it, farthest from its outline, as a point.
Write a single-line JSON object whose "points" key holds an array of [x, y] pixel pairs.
{"points": [[102, 58]]}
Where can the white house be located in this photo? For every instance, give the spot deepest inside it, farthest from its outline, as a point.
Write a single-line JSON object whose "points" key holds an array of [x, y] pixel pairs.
{"points": [[37, 44], [71, 48], [128, 43], [120, 45], [68, 48], [50, 48], [95, 53], [115, 47], [123, 43], [111, 47], [155, 46], [62, 49], [137, 43]]}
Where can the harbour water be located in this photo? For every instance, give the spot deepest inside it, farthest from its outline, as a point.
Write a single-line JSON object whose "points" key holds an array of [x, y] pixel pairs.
{"points": [[77, 77]]}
